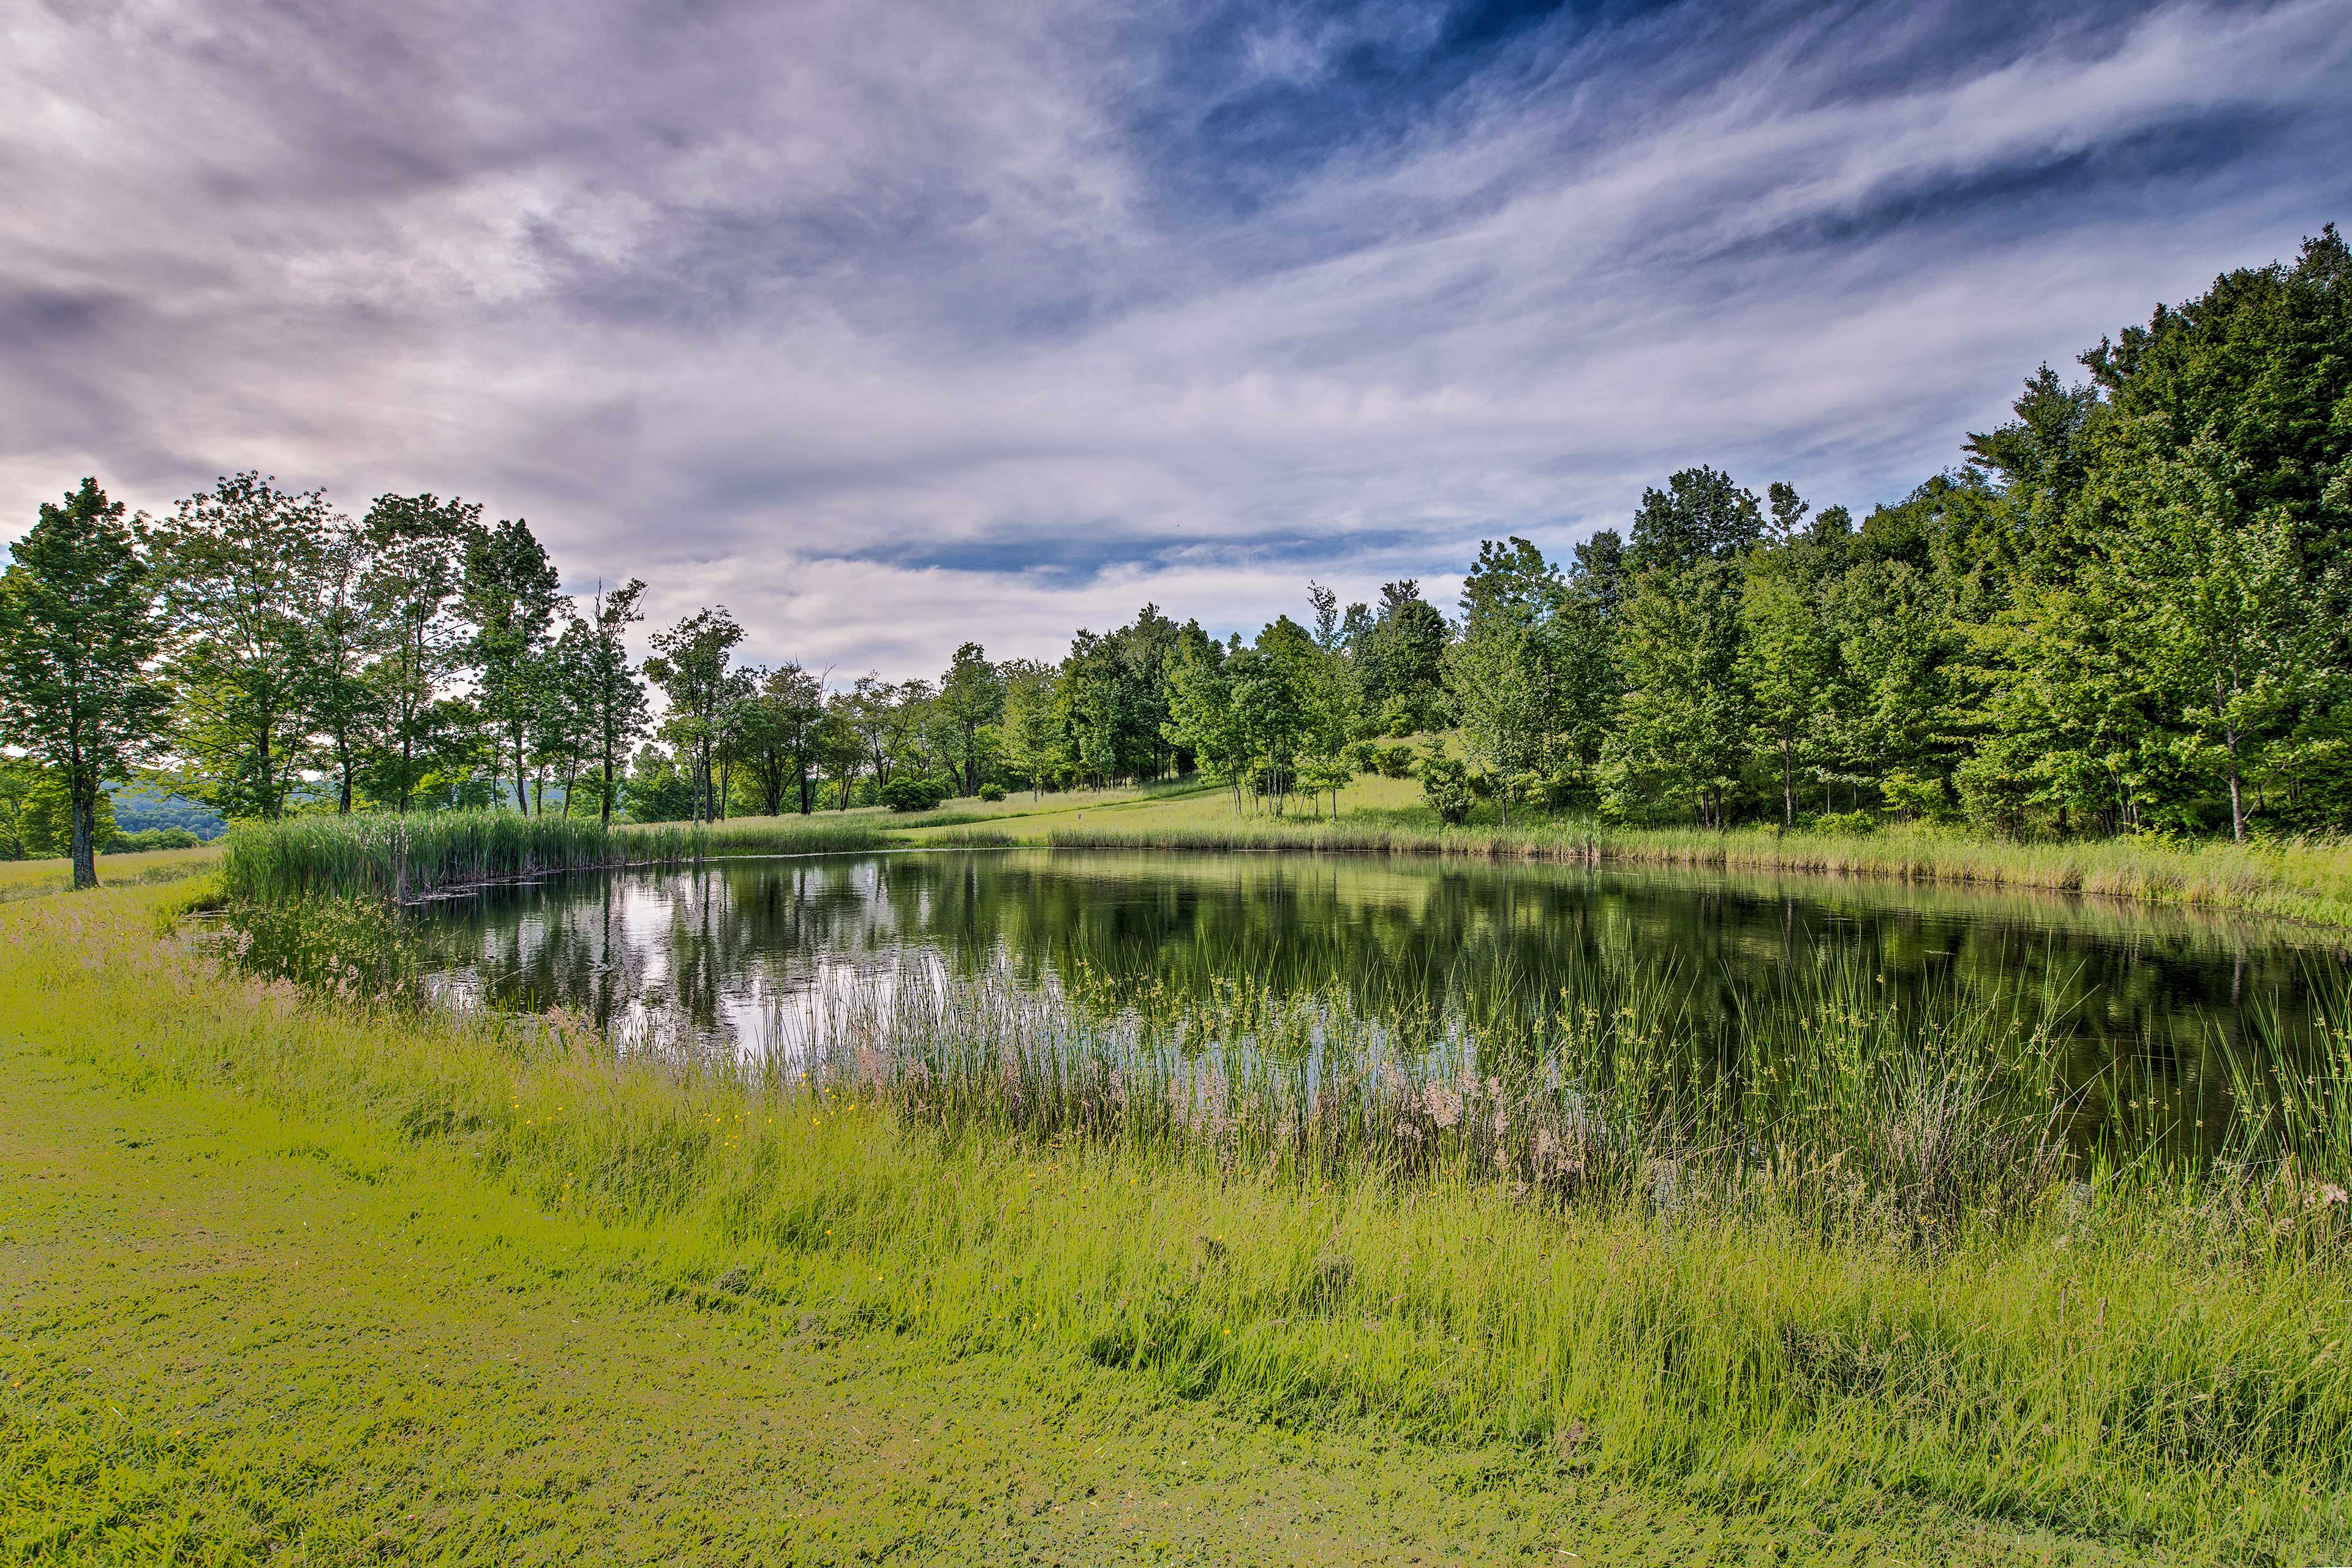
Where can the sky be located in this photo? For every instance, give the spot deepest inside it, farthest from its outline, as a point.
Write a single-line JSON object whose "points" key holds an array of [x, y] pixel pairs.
{"points": [[889, 325]]}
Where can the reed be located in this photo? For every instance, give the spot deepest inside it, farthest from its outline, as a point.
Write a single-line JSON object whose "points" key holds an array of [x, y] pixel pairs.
{"points": [[398, 858]]}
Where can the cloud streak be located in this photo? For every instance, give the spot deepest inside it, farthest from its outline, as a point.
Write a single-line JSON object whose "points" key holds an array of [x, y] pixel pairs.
{"points": [[891, 326]]}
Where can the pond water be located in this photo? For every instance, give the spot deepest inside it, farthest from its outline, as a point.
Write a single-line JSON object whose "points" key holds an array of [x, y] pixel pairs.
{"points": [[744, 951]]}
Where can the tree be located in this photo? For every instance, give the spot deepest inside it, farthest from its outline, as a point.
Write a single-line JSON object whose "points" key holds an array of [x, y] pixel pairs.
{"points": [[241, 568], [412, 545], [1202, 719], [871, 710], [1700, 515], [690, 664], [840, 745], [971, 699], [45, 819], [1273, 702], [614, 701], [564, 727], [776, 736], [77, 634], [1681, 731], [1495, 674], [1029, 736], [2229, 617], [1784, 660], [509, 591], [1499, 671], [1404, 682], [337, 692]]}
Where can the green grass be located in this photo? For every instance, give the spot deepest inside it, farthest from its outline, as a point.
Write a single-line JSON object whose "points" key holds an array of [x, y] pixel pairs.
{"points": [[2133, 1379], [229, 1335], [35, 879], [2302, 880]]}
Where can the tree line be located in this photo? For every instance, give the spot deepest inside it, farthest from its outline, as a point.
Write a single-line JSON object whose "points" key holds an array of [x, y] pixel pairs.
{"points": [[2123, 610]]}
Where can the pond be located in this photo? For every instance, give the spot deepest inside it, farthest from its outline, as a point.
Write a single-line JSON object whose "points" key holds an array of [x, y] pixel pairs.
{"points": [[749, 952]]}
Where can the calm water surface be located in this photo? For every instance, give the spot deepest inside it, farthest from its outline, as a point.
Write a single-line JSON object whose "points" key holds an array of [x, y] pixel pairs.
{"points": [[736, 950]]}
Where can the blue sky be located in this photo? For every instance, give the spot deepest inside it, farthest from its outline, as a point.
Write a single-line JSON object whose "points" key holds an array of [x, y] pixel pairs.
{"points": [[887, 325]]}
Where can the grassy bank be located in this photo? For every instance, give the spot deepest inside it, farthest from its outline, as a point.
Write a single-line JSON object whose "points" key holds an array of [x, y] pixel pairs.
{"points": [[2157, 1378], [232, 1335], [2304, 881]]}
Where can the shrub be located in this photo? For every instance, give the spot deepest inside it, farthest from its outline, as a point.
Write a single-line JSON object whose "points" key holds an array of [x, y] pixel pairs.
{"points": [[913, 792], [1845, 824], [153, 838], [992, 792], [1446, 783], [1392, 761], [1917, 799]]}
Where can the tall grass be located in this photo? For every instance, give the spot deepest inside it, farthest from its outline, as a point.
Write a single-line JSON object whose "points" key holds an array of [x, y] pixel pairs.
{"points": [[2112, 1356], [2300, 880], [397, 858], [1830, 1103]]}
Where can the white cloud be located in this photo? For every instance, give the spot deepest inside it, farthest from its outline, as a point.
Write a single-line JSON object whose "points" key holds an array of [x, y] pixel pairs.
{"points": [[771, 305]]}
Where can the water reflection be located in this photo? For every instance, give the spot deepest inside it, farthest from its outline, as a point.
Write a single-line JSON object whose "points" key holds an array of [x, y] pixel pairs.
{"points": [[736, 949]]}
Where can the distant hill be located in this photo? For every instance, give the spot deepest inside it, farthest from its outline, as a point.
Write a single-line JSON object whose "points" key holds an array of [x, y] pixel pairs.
{"points": [[139, 807]]}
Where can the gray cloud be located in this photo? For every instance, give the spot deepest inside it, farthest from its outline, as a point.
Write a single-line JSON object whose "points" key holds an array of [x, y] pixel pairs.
{"points": [[888, 326]]}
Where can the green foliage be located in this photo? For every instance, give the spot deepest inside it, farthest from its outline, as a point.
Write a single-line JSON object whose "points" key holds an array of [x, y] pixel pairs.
{"points": [[247, 573], [44, 820], [146, 839], [1445, 785], [915, 791], [656, 790], [992, 792], [76, 636]]}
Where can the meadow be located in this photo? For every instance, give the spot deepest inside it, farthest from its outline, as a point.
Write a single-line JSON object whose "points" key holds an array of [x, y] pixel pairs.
{"points": [[1631, 1289]]}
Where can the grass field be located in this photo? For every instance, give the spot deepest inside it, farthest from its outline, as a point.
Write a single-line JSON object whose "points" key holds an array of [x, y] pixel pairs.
{"points": [[283, 1273], [33, 878]]}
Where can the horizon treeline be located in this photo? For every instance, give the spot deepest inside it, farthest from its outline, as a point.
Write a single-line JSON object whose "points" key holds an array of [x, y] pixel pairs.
{"points": [[2124, 610]]}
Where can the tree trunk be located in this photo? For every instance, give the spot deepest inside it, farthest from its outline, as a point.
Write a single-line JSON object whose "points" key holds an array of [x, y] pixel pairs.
{"points": [[604, 801], [83, 809]]}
